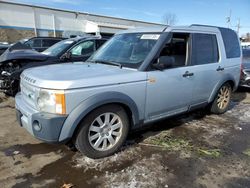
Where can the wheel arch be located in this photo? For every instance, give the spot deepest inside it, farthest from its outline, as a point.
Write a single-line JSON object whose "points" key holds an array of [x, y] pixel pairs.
{"points": [[229, 80], [72, 123]]}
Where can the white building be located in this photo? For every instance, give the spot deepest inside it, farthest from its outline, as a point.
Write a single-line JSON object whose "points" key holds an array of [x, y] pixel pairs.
{"points": [[19, 20]]}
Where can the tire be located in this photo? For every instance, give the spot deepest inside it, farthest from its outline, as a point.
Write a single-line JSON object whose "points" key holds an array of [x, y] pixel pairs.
{"points": [[222, 99], [94, 138]]}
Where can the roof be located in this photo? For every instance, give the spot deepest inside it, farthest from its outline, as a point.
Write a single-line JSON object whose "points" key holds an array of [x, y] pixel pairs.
{"points": [[59, 38], [87, 37], [159, 29]]}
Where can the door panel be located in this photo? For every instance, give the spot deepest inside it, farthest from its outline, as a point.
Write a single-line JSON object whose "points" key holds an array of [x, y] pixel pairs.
{"points": [[205, 61], [168, 92], [205, 79], [79, 58]]}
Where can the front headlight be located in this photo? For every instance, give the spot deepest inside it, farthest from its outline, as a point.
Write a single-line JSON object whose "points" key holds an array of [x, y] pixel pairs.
{"points": [[51, 101]]}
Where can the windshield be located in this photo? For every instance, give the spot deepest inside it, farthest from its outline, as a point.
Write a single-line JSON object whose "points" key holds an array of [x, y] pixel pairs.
{"points": [[128, 50], [58, 48]]}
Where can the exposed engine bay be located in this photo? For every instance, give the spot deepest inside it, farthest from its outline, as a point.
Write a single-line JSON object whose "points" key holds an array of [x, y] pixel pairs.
{"points": [[12, 62], [9, 77]]}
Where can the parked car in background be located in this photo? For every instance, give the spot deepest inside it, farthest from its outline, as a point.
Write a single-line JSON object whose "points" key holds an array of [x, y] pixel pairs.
{"points": [[41, 43], [3, 47], [38, 44], [245, 75], [137, 77], [245, 45], [13, 63]]}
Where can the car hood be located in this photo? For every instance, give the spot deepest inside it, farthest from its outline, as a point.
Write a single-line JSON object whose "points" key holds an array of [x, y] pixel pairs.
{"points": [[3, 46], [80, 75], [22, 55]]}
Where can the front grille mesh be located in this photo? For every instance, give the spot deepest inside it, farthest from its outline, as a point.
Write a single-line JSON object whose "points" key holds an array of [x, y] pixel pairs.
{"points": [[29, 93]]}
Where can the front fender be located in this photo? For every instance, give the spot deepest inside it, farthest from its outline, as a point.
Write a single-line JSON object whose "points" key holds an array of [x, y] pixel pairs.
{"points": [[92, 103]]}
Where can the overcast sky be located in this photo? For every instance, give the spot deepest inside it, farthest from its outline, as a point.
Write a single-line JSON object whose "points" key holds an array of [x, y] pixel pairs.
{"points": [[212, 12]]}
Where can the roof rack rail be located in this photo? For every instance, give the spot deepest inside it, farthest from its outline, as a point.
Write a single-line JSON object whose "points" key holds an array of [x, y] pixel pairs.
{"points": [[203, 25]]}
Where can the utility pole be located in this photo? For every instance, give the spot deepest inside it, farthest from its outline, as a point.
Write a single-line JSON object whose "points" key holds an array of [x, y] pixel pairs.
{"points": [[34, 20], [54, 25], [238, 26], [228, 19]]}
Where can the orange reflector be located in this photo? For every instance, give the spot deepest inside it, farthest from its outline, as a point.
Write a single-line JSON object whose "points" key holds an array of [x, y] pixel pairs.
{"points": [[60, 103]]}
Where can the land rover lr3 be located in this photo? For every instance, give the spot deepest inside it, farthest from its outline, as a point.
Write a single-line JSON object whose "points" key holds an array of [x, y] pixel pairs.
{"points": [[137, 77]]}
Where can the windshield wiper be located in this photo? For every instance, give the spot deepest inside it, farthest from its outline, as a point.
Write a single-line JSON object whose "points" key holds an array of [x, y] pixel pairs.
{"points": [[107, 63]]}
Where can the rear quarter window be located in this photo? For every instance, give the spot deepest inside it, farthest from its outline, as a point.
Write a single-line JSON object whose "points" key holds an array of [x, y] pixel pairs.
{"points": [[37, 43], [204, 49], [231, 43]]}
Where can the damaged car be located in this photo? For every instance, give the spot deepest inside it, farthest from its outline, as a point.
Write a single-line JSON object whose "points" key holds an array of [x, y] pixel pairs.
{"points": [[245, 74], [3, 47], [15, 61]]}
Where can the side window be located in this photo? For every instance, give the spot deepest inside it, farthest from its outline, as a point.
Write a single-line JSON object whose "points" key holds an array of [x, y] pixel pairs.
{"points": [[204, 49], [37, 43], [99, 43], [84, 48], [231, 42], [29, 43], [48, 42], [177, 49]]}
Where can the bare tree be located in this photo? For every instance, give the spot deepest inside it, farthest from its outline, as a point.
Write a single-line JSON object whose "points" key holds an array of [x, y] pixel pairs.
{"points": [[170, 19]]}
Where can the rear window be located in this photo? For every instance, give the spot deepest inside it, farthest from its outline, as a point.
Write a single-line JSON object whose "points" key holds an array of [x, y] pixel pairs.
{"points": [[205, 49], [231, 42]]}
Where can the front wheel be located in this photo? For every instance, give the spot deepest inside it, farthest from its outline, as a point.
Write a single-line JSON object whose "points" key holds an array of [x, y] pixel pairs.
{"points": [[103, 131], [222, 99]]}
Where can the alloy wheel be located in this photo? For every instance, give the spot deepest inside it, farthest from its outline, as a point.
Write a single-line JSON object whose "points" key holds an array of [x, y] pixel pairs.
{"points": [[105, 131], [223, 97]]}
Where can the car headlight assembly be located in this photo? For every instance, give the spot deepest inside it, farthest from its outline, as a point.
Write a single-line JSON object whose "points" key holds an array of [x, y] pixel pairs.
{"points": [[51, 101]]}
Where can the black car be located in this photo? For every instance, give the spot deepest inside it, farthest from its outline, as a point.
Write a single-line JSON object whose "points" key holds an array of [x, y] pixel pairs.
{"points": [[245, 75], [3, 47], [40, 43], [14, 62]]}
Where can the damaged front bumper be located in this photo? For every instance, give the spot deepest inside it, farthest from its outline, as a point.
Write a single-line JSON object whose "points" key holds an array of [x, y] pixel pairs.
{"points": [[245, 78], [9, 84]]}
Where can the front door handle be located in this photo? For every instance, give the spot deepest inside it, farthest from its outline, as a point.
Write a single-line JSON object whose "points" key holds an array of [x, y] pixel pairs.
{"points": [[220, 68], [188, 74]]}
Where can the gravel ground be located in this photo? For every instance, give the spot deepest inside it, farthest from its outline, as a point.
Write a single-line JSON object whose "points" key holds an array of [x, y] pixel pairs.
{"points": [[192, 150]]}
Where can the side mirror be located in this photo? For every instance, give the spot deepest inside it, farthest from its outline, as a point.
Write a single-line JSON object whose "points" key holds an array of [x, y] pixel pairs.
{"points": [[164, 62], [65, 56]]}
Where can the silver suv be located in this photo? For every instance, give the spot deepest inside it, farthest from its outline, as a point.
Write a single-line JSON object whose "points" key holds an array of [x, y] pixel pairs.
{"points": [[137, 77]]}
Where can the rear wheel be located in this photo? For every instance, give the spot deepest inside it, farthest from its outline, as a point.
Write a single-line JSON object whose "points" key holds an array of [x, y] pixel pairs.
{"points": [[103, 131], [222, 100]]}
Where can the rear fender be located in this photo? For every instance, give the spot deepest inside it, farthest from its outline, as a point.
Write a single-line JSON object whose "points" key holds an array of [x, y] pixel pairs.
{"points": [[227, 78]]}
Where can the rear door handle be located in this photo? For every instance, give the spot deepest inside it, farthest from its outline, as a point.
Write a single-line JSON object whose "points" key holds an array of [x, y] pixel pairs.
{"points": [[220, 68], [188, 74]]}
